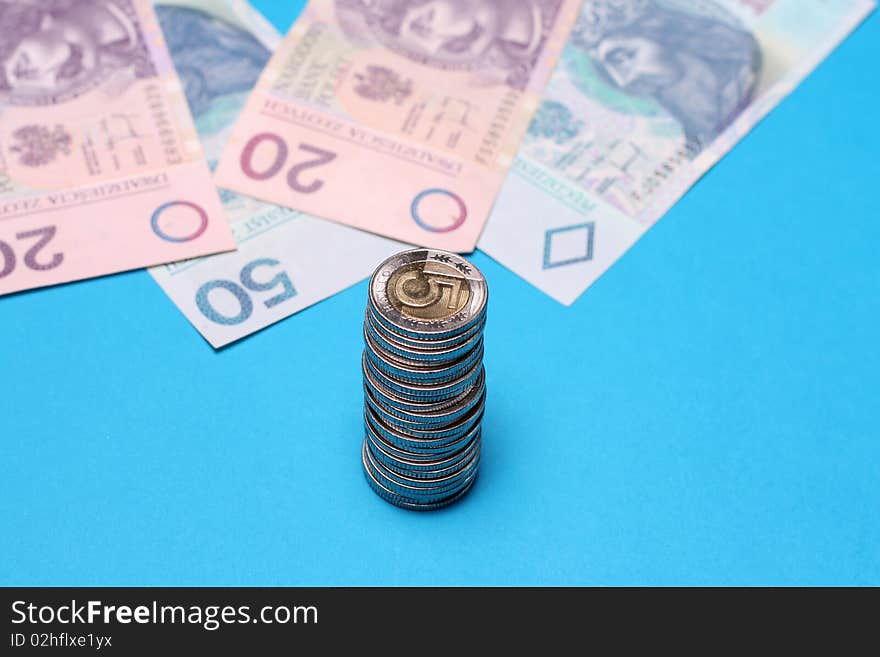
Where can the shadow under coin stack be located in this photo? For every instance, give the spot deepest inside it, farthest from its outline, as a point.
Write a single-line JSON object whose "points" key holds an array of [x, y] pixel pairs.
{"points": [[424, 382]]}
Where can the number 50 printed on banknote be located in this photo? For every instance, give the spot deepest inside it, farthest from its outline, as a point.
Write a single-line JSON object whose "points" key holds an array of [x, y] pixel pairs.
{"points": [[400, 117], [100, 166]]}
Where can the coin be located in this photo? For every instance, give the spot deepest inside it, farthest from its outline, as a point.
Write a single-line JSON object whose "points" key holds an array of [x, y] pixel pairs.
{"points": [[424, 489], [424, 380], [434, 356], [405, 503], [428, 293], [444, 414], [425, 440], [419, 343], [417, 392], [417, 407], [419, 467], [390, 442], [447, 417], [411, 371], [413, 500]]}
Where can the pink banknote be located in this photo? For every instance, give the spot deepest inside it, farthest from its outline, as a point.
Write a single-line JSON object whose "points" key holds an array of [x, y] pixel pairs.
{"points": [[101, 169], [400, 117]]}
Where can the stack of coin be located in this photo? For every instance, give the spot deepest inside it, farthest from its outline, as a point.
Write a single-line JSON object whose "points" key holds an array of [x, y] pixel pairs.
{"points": [[424, 382]]}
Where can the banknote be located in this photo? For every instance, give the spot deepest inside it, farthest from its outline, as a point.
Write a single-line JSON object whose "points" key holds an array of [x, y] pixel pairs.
{"points": [[400, 117], [100, 166], [648, 95], [285, 260]]}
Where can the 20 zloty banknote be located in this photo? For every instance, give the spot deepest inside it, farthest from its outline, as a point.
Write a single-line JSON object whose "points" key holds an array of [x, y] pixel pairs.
{"points": [[400, 117], [286, 260], [648, 95], [100, 166]]}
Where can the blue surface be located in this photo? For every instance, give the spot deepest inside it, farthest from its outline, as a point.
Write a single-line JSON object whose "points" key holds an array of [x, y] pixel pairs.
{"points": [[706, 414]]}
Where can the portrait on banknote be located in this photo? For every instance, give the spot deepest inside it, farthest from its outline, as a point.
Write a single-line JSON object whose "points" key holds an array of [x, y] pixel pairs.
{"points": [[693, 59], [497, 36], [643, 84], [55, 50], [213, 57]]}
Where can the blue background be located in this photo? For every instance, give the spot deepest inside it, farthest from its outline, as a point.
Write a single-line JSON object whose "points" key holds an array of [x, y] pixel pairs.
{"points": [[707, 413]]}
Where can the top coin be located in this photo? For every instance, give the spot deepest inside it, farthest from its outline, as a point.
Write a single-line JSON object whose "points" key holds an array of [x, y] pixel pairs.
{"points": [[428, 292]]}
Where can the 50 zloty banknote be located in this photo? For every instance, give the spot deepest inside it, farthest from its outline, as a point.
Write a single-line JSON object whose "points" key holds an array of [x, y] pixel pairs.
{"points": [[400, 117], [100, 166], [286, 260], [648, 95]]}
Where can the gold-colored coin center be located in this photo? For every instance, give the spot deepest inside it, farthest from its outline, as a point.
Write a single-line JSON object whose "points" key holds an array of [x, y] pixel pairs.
{"points": [[428, 291]]}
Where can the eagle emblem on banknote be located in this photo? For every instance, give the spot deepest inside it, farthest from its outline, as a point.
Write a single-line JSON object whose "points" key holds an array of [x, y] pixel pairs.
{"points": [[52, 51], [694, 59], [499, 38], [381, 84], [37, 145], [553, 120]]}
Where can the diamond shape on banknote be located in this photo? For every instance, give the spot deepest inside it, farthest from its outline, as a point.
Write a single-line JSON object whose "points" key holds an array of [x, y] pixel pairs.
{"points": [[568, 245]]}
